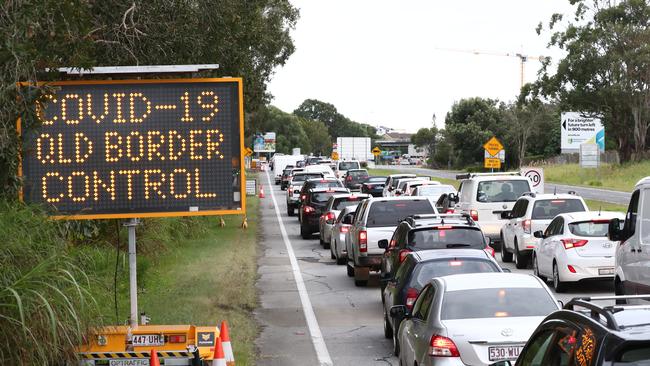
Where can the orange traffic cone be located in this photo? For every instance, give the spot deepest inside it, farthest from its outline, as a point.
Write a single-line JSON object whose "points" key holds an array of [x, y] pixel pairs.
{"points": [[218, 359], [153, 360], [227, 346], [261, 195]]}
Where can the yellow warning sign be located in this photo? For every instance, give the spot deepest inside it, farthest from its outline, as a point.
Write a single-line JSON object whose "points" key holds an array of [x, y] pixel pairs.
{"points": [[249, 151], [492, 163], [493, 146], [376, 151], [335, 155]]}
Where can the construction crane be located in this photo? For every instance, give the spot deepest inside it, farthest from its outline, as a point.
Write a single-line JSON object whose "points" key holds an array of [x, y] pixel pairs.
{"points": [[522, 58]]}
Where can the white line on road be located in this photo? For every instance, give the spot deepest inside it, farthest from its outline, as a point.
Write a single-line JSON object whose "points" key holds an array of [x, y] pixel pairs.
{"points": [[322, 354]]}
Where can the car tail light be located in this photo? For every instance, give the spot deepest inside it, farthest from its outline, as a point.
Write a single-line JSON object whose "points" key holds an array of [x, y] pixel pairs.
{"points": [[307, 209], [450, 211], [349, 178], [330, 216], [303, 197], [402, 254], [411, 296], [473, 214], [489, 250], [442, 347], [345, 229], [290, 191], [363, 241], [573, 243], [526, 226], [176, 339], [571, 269]]}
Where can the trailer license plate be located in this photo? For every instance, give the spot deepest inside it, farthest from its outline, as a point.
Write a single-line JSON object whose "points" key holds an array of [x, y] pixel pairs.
{"points": [[606, 271], [146, 340], [129, 362], [504, 353]]}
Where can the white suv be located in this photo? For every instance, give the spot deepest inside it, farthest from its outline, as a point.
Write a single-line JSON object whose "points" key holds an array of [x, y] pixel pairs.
{"points": [[532, 212], [633, 250], [484, 196]]}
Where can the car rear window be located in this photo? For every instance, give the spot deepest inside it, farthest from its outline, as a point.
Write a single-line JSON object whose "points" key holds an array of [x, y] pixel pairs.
{"points": [[341, 203], [390, 213], [548, 209], [304, 177], [286, 171], [396, 179], [446, 237], [425, 271], [596, 228], [326, 184], [377, 179], [358, 173], [322, 197], [506, 190], [347, 165], [435, 190], [497, 302]]}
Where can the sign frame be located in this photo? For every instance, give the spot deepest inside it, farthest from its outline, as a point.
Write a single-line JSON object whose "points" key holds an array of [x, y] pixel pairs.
{"points": [[126, 215]]}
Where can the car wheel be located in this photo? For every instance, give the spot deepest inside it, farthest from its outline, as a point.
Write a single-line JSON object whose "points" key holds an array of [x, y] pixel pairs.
{"points": [[341, 260], [320, 240], [395, 344], [536, 269], [506, 256], [388, 330], [327, 245], [350, 270], [304, 232], [521, 260], [558, 285], [361, 283], [290, 210]]}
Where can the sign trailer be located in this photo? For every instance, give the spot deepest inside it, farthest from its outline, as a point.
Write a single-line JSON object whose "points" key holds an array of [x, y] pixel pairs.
{"points": [[109, 149]]}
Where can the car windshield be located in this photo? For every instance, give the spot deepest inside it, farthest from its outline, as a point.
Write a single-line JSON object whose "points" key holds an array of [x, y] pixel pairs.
{"points": [[425, 271], [446, 237], [435, 190], [347, 165], [548, 209], [304, 177], [390, 213], [341, 203], [507, 190], [322, 197], [498, 302]]}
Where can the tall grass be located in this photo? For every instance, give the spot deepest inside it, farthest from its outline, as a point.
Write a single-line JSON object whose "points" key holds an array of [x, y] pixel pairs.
{"points": [[45, 307]]}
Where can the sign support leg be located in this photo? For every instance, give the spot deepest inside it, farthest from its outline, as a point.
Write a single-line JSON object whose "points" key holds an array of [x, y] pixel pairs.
{"points": [[133, 275]]}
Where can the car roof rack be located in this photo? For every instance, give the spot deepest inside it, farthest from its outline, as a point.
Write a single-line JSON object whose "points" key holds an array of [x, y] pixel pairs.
{"points": [[472, 175], [606, 312], [441, 217]]}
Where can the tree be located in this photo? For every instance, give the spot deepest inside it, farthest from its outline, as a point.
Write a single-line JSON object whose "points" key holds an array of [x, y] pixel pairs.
{"points": [[320, 140], [427, 138], [336, 123], [606, 70]]}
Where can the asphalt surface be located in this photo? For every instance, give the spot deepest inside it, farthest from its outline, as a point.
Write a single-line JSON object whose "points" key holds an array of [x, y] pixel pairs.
{"points": [[605, 195], [348, 318]]}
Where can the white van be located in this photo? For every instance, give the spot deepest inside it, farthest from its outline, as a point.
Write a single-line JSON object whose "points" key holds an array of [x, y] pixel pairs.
{"points": [[632, 272], [342, 167]]}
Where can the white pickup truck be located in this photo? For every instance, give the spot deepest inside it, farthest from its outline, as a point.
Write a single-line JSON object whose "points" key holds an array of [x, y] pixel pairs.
{"points": [[376, 219]]}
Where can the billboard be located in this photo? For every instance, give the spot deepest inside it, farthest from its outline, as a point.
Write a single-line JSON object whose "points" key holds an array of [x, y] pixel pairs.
{"points": [[137, 148], [578, 129], [264, 143]]}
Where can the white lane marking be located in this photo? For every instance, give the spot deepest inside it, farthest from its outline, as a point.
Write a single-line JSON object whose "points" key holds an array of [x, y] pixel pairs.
{"points": [[320, 347]]}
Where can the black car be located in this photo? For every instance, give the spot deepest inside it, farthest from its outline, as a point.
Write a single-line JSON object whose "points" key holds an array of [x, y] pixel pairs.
{"points": [[353, 178], [318, 183], [420, 267], [374, 186], [424, 232], [584, 333], [313, 206]]}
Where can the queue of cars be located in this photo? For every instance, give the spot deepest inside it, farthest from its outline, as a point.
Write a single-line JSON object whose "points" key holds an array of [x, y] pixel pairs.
{"points": [[446, 300]]}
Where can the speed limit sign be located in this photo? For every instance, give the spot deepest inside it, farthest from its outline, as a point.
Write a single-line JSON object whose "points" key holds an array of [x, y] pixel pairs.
{"points": [[536, 176]]}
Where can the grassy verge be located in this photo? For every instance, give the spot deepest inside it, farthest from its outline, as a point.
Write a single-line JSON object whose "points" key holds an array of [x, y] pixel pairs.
{"points": [[618, 177], [387, 172], [605, 206], [190, 271]]}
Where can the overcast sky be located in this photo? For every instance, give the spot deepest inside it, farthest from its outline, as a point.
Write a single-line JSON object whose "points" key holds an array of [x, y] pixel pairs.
{"points": [[377, 60]]}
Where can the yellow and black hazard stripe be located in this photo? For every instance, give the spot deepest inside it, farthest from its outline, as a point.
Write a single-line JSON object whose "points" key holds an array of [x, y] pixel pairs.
{"points": [[109, 355]]}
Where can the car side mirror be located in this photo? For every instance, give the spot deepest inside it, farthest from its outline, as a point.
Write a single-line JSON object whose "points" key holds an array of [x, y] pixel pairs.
{"points": [[399, 312], [614, 231], [390, 189], [506, 214], [539, 234], [383, 243]]}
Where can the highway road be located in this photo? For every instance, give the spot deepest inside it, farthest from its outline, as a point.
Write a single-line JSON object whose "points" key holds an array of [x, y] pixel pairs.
{"points": [[310, 311], [598, 194]]}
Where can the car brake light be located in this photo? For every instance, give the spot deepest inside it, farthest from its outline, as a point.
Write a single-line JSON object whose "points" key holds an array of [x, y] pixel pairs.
{"points": [[455, 263], [402, 254], [290, 191], [345, 229], [573, 243], [411, 296], [176, 339], [450, 211], [442, 347], [307, 209], [349, 178], [330, 216], [304, 196], [473, 214], [526, 226], [363, 241], [571, 269], [605, 221], [490, 250]]}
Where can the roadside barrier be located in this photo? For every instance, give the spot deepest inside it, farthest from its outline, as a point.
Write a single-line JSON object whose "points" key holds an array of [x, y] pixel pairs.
{"points": [[227, 346], [218, 359], [153, 360]]}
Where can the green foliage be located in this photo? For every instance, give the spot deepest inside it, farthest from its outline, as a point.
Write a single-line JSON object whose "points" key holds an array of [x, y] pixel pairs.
{"points": [[428, 138], [337, 124], [45, 305], [320, 140], [288, 128]]}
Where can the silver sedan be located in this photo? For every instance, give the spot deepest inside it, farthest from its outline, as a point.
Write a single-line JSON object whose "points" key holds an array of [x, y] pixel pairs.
{"points": [[472, 319]]}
